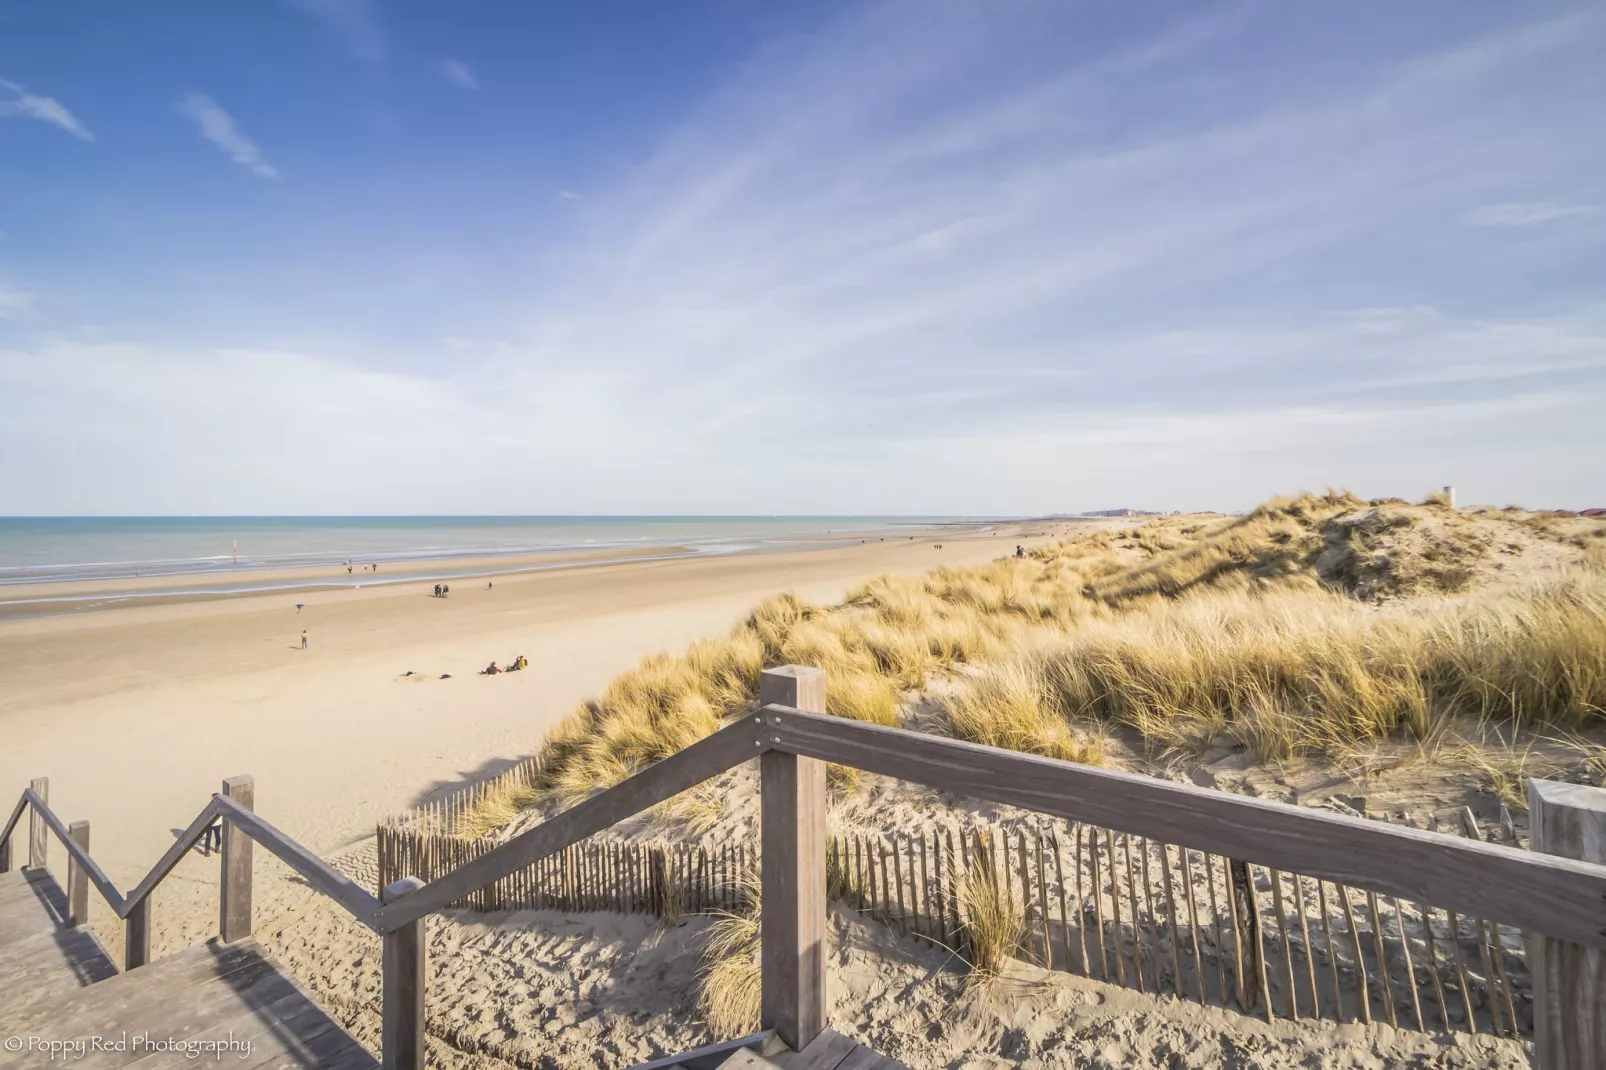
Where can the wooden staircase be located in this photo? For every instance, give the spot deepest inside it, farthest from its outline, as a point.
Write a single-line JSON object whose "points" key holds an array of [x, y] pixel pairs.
{"points": [[210, 1003]]}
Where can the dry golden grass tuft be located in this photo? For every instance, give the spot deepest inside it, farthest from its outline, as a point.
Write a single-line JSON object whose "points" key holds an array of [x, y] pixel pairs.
{"points": [[1316, 623], [730, 989], [992, 926]]}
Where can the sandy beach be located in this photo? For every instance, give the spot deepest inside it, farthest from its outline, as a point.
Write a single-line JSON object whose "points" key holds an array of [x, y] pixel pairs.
{"points": [[136, 713]]}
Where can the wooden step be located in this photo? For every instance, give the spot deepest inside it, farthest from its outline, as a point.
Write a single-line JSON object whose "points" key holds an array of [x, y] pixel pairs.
{"points": [[58, 985], [40, 958]]}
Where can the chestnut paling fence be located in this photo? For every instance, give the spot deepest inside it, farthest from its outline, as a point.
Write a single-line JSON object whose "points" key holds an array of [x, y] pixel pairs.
{"points": [[1125, 909]]}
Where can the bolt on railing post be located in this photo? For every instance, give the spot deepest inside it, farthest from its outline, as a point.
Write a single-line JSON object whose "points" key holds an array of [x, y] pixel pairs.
{"points": [[137, 935], [402, 974], [792, 922], [234, 893], [38, 831], [77, 877], [1569, 980]]}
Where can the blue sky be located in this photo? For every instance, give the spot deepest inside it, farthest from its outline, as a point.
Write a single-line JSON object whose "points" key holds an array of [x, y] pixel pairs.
{"points": [[343, 256]]}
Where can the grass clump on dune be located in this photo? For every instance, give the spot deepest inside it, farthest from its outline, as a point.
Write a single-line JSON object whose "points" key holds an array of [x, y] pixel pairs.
{"points": [[1288, 629], [992, 925], [1304, 673]]}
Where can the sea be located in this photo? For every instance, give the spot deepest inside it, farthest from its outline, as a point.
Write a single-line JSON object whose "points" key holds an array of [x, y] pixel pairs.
{"points": [[234, 555]]}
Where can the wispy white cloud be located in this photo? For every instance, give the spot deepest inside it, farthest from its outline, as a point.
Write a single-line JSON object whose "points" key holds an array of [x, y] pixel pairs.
{"points": [[459, 74], [357, 21], [217, 126], [920, 261], [45, 109], [1527, 214], [568, 195]]}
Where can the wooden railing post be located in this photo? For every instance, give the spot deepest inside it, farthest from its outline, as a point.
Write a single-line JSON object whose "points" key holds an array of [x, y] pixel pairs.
{"points": [[234, 894], [38, 831], [1569, 980], [403, 966], [137, 935], [792, 921], [5, 854], [77, 877]]}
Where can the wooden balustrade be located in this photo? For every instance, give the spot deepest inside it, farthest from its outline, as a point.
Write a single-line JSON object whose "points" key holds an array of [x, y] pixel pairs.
{"points": [[1556, 892]]}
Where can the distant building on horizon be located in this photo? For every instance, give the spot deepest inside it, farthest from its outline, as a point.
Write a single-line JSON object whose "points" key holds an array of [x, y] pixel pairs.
{"points": [[1120, 512]]}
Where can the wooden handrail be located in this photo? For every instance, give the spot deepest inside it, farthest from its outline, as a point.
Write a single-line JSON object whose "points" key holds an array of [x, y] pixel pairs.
{"points": [[1547, 894], [173, 855], [1556, 896], [318, 873], [358, 902], [97, 876], [1553, 895], [708, 757]]}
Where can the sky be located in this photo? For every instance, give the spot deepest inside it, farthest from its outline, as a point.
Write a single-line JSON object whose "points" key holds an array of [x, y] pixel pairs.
{"points": [[979, 257]]}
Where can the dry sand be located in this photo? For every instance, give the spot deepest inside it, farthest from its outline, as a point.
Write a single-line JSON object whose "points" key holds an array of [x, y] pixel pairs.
{"points": [[136, 713]]}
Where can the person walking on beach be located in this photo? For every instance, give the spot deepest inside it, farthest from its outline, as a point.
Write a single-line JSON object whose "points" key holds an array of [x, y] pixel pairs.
{"points": [[303, 639]]}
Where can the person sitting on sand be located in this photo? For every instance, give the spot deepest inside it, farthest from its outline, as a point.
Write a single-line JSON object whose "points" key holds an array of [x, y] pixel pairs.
{"points": [[490, 670], [520, 662]]}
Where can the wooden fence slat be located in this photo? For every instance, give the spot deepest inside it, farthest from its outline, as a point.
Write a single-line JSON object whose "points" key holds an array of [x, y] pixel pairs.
{"points": [[1193, 924], [1288, 947], [1115, 909], [1410, 967], [1155, 935], [1259, 932], [903, 913], [953, 880], [1310, 955], [1365, 989], [1176, 932], [1042, 904], [1505, 980], [1381, 948], [1098, 900], [1427, 912], [923, 894], [1065, 922], [1332, 958], [1489, 995], [1132, 901], [1221, 931]]}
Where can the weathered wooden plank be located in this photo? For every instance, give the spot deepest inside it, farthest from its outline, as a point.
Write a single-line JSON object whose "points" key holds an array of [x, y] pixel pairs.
{"points": [[38, 842], [825, 1052], [234, 890], [709, 1056], [1569, 979], [706, 758], [44, 965], [77, 876], [287, 1029], [404, 970], [167, 994], [863, 1058], [1557, 896], [793, 921], [137, 935]]}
